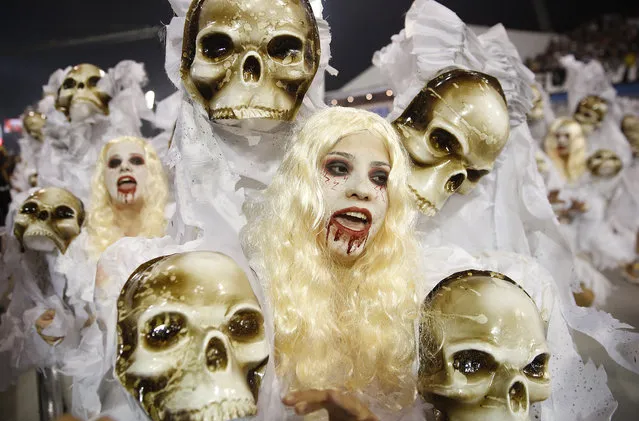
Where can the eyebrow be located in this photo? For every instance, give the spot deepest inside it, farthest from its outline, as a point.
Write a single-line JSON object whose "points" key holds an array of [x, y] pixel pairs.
{"points": [[380, 164], [344, 154]]}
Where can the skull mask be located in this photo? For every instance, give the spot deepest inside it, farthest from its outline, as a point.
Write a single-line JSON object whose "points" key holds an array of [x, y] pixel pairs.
{"points": [[590, 112], [483, 352], [453, 130], [250, 59], [604, 163], [630, 128], [191, 338], [33, 123], [537, 110], [565, 145], [49, 218], [79, 96]]}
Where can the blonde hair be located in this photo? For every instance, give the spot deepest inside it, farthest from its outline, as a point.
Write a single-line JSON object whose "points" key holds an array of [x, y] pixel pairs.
{"points": [[576, 165], [338, 327], [101, 225]]}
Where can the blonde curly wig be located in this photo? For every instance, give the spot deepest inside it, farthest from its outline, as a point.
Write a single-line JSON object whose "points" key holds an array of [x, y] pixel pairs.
{"points": [[101, 225], [335, 326], [574, 168]]}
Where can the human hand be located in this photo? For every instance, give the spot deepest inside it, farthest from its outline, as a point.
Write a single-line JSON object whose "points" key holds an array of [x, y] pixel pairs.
{"points": [[341, 406], [42, 323]]}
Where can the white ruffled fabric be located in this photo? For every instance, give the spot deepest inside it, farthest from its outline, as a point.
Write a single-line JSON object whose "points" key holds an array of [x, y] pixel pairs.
{"points": [[509, 210]]}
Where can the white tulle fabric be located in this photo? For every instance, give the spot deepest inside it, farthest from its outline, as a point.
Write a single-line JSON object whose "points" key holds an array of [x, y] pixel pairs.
{"points": [[509, 210]]}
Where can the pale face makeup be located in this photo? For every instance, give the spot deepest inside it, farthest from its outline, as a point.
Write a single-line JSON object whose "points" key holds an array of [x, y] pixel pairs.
{"points": [[354, 176], [126, 173]]}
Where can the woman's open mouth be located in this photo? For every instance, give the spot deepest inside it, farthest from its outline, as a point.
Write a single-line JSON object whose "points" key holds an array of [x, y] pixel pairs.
{"points": [[127, 184], [355, 221]]}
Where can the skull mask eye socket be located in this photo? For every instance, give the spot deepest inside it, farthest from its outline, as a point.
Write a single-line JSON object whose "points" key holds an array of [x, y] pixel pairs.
{"points": [[475, 175], [216, 46], [29, 208], [443, 143], [68, 83], [63, 212], [245, 325], [164, 330], [93, 81], [537, 368], [472, 362], [286, 48]]}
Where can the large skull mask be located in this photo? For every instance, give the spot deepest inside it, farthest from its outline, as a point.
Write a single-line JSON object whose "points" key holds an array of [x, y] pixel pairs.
{"points": [[590, 112], [630, 128], [79, 95], [604, 163], [191, 338], [453, 130], [250, 59], [33, 123], [49, 218], [483, 352]]}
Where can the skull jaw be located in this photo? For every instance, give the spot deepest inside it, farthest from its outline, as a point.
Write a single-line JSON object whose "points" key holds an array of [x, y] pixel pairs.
{"points": [[83, 108], [488, 409], [428, 188], [39, 243]]}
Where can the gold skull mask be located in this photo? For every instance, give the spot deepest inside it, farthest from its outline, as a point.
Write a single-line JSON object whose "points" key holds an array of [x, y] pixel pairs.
{"points": [[191, 342], [590, 112], [604, 163], [453, 130], [483, 350], [80, 90], [630, 128], [537, 110], [33, 123], [250, 59], [49, 218]]}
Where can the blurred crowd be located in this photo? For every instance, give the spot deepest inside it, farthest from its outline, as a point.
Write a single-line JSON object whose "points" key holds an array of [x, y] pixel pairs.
{"points": [[7, 164], [612, 39]]}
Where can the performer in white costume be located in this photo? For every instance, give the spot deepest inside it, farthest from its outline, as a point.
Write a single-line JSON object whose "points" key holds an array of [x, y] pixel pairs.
{"points": [[508, 210]]}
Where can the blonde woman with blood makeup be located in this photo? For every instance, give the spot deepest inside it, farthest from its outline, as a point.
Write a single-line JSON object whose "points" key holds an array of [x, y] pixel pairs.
{"points": [[335, 250]]}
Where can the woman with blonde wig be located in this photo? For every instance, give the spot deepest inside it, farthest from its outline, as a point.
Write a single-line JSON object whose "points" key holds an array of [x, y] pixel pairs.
{"points": [[128, 194], [333, 238], [565, 145]]}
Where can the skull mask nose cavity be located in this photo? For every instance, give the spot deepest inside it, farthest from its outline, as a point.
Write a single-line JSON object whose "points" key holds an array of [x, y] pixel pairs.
{"points": [[454, 183], [80, 85], [518, 397], [216, 355], [43, 215], [251, 70]]}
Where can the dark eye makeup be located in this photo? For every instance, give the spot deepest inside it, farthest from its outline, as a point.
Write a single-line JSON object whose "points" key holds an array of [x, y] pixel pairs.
{"points": [[337, 167], [379, 177], [136, 160], [114, 162]]}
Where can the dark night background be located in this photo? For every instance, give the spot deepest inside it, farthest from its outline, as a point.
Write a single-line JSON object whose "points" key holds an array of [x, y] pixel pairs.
{"points": [[40, 36]]}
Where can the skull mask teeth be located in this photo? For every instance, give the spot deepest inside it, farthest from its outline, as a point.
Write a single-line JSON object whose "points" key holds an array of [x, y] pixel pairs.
{"points": [[80, 87], [453, 130], [483, 352], [191, 338], [590, 112], [33, 123], [604, 163], [50, 217], [250, 59]]}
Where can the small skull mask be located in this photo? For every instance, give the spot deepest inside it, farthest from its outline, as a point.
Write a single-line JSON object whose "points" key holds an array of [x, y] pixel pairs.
{"points": [[79, 96], [590, 112], [33, 123], [191, 338], [483, 351], [604, 163], [453, 130], [565, 145], [250, 59], [630, 128], [537, 110], [49, 218]]}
